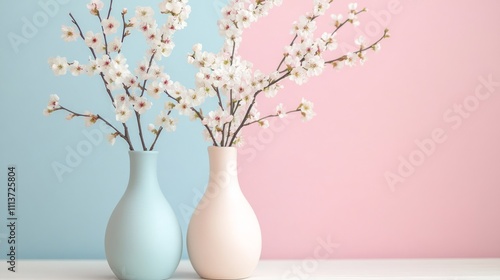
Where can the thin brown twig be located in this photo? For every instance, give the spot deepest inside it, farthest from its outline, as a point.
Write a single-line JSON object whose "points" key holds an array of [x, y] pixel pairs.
{"points": [[218, 97], [109, 10], [124, 136], [73, 20], [344, 57], [252, 104], [200, 116], [143, 88], [271, 116], [124, 30], [125, 127], [103, 34], [160, 129]]}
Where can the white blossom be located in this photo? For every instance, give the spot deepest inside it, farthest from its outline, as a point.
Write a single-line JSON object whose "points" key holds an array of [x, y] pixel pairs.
{"points": [[95, 6], [144, 14], [112, 138], [330, 41], [53, 102], [298, 75], [350, 59], [217, 118], [155, 89], [360, 41], [110, 25], [68, 33], [142, 70], [152, 128], [115, 45], [320, 7], [94, 41], [314, 66], [76, 69], [263, 123], [141, 104], [337, 19], [306, 110], [123, 112], [167, 122], [93, 68], [59, 65], [183, 107], [90, 118], [280, 111]]}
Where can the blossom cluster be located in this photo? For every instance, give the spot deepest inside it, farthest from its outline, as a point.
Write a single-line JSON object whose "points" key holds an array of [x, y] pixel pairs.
{"points": [[224, 76], [237, 85], [125, 87]]}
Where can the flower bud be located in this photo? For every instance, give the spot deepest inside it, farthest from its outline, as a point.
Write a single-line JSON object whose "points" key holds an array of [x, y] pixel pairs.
{"points": [[197, 48]]}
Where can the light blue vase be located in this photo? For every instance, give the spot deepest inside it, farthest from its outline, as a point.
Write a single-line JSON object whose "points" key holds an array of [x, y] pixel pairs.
{"points": [[143, 237]]}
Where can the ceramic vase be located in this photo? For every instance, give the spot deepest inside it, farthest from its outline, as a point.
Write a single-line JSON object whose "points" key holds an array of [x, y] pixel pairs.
{"points": [[143, 237], [224, 238]]}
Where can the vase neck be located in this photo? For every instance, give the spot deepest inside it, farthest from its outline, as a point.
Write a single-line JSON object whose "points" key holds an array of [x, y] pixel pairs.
{"points": [[143, 168], [223, 166]]}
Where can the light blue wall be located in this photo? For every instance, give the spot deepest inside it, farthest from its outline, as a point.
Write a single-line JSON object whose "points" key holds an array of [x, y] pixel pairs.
{"points": [[67, 218]]}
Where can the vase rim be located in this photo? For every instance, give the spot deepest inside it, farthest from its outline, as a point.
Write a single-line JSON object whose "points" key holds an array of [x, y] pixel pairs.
{"points": [[221, 148], [143, 152]]}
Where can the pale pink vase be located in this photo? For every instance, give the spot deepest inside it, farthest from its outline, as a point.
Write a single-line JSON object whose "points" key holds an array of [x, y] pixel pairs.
{"points": [[224, 238]]}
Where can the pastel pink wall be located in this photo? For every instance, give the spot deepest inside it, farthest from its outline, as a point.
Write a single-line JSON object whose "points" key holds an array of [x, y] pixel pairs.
{"points": [[326, 178]]}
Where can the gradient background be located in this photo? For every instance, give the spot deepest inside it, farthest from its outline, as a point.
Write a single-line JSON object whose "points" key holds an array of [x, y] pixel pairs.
{"points": [[308, 182]]}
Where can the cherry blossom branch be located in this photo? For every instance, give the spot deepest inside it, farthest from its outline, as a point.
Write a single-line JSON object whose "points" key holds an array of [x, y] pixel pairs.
{"points": [[232, 112], [232, 52], [231, 104], [143, 88], [95, 57], [156, 138], [109, 10], [73, 20], [108, 76], [284, 56], [253, 103], [206, 126], [235, 108], [124, 30], [228, 132], [218, 97], [200, 116], [138, 118], [171, 97], [125, 127], [344, 57], [291, 44], [346, 21], [312, 19], [124, 136], [230, 101], [103, 33], [108, 91], [270, 116], [223, 136], [137, 115], [160, 129]]}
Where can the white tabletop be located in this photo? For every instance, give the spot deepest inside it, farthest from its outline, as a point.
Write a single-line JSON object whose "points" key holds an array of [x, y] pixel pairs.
{"points": [[399, 269]]}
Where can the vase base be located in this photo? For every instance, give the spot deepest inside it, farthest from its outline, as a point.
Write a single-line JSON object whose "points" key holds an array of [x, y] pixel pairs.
{"points": [[224, 278]]}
